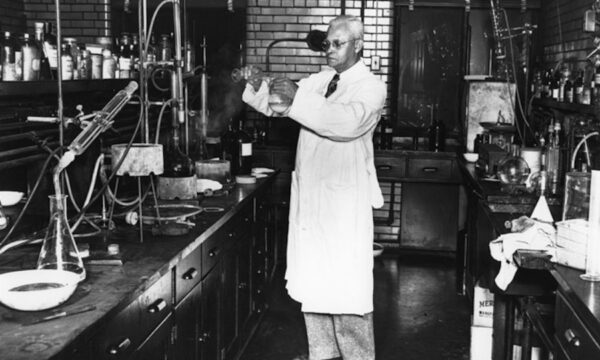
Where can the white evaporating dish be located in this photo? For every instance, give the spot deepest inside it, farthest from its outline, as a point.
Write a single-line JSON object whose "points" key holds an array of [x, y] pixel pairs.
{"points": [[34, 290], [10, 198]]}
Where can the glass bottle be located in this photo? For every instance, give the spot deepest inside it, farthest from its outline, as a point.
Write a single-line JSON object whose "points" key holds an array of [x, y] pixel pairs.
{"points": [[7, 58], [513, 169], [66, 62], [50, 50], [109, 64], [230, 148], [164, 52], [177, 164], [151, 53], [125, 56], [135, 55], [244, 142], [73, 50], [59, 251], [84, 66], [578, 88], [31, 59], [45, 72]]}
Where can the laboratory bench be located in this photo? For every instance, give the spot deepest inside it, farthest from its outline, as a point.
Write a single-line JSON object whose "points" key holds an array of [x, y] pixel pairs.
{"points": [[562, 310], [199, 295]]}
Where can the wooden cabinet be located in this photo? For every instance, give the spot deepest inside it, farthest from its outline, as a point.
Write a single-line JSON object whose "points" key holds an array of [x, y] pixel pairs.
{"points": [[421, 192], [573, 339]]}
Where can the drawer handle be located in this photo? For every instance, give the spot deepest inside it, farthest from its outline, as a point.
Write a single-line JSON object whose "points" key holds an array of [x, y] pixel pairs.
{"points": [[157, 306], [231, 235], [430, 169], [213, 252], [246, 219], [384, 167], [120, 347], [571, 338], [190, 274], [204, 337]]}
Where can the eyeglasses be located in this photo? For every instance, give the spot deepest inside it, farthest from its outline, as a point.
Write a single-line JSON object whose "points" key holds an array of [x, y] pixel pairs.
{"points": [[326, 44]]}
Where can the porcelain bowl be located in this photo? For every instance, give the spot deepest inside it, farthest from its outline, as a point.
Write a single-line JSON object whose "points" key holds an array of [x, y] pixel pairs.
{"points": [[471, 157], [10, 198], [34, 290]]}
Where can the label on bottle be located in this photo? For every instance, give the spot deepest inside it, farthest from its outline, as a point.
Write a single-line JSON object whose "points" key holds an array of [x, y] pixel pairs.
{"points": [[108, 68], [246, 149], [9, 72], [51, 53], [67, 67]]}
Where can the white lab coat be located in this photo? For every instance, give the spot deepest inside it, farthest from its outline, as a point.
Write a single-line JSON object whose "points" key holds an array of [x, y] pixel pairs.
{"points": [[334, 187]]}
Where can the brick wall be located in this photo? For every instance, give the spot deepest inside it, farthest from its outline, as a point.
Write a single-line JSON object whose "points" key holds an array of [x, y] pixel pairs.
{"points": [[561, 32], [82, 19], [12, 18], [269, 20]]}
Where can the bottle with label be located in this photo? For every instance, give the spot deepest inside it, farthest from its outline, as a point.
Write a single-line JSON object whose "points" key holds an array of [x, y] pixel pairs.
{"points": [[66, 62], [245, 149], [125, 55], [8, 58], [31, 59], [229, 146], [176, 163], [109, 64], [73, 50], [569, 96], [50, 50], [555, 86], [84, 65], [578, 88], [45, 70]]}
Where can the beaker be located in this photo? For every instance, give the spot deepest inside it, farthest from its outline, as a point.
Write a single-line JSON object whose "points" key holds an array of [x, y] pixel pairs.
{"points": [[576, 202], [59, 250]]}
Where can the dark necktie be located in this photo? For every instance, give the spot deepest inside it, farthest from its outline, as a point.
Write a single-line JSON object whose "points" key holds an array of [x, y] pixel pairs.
{"points": [[332, 85]]}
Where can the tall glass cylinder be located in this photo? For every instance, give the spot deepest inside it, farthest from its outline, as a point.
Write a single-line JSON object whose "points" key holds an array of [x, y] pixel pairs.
{"points": [[59, 251], [592, 262]]}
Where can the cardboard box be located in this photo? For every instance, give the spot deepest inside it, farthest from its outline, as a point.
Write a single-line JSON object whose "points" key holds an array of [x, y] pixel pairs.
{"points": [[483, 307], [481, 343], [571, 243]]}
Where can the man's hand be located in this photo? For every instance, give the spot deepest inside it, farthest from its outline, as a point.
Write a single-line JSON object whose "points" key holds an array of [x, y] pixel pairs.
{"points": [[253, 75], [284, 87]]}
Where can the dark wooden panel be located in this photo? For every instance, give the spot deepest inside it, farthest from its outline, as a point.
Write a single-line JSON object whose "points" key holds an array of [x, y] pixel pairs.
{"points": [[431, 169], [572, 334], [429, 216], [188, 273]]}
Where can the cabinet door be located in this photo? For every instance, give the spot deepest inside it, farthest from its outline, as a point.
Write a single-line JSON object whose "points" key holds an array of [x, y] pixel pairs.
{"points": [[429, 216], [229, 286], [244, 305], [187, 315], [209, 312], [159, 345]]}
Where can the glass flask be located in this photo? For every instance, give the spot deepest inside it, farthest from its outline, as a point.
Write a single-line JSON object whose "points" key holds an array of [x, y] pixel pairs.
{"points": [[279, 103], [59, 251], [513, 169]]}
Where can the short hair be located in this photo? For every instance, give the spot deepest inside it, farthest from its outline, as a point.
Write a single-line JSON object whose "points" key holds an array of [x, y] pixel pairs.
{"points": [[354, 25]]}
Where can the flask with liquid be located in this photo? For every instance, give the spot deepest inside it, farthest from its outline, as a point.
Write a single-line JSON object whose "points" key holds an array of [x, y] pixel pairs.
{"points": [[59, 250]]}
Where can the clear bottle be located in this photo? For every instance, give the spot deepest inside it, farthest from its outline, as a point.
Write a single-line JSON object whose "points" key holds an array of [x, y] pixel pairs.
{"points": [[50, 50], [109, 65], [8, 58], [66, 63], [229, 147], [84, 66], [59, 250], [31, 59], [74, 51], [436, 132]]}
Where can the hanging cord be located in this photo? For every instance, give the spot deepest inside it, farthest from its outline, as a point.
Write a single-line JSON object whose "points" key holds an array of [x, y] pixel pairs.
{"points": [[160, 116], [582, 142]]}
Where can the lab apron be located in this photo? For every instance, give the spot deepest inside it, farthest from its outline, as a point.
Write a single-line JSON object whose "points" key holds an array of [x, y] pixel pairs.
{"points": [[330, 251]]}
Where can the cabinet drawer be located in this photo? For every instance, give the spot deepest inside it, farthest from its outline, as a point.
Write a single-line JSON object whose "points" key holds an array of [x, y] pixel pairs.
{"points": [[390, 168], [124, 333], [188, 273], [434, 169], [571, 333], [215, 246]]}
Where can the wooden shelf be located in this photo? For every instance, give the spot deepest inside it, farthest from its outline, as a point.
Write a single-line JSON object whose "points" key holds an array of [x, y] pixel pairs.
{"points": [[553, 104], [50, 87]]}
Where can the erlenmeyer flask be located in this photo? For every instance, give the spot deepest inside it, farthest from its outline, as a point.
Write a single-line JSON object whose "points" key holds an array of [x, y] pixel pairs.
{"points": [[59, 250]]}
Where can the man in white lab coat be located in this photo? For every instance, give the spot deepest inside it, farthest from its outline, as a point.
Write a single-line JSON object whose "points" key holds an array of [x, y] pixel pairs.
{"points": [[334, 188]]}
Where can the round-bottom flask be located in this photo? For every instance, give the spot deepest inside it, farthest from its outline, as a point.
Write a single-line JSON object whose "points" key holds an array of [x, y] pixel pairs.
{"points": [[59, 251]]}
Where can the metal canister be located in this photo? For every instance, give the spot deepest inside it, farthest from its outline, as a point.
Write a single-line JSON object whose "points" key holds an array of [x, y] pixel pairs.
{"points": [[109, 65], [96, 66]]}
